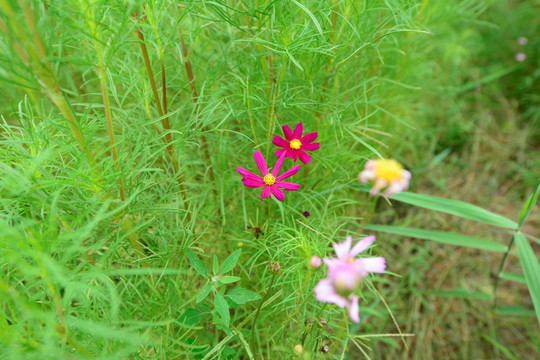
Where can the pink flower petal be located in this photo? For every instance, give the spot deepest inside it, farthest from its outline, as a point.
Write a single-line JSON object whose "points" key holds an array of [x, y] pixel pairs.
{"points": [[324, 291], [342, 249], [279, 162], [288, 173], [379, 184], [266, 193], [261, 163], [279, 141], [253, 183], [298, 131], [311, 147], [278, 193], [287, 132], [248, 175], [373, 264], [304, 157], [287, 186], [362, 245], [352, 306], [366, 176], [281, 152], [308, 138], [331, 263]]}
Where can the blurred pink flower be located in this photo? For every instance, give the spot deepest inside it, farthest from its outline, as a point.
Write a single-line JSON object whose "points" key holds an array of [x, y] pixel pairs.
{"points": [[295, 145], [315, 262], [386, 173], [522, 40], [270, 180], [521, 56], [345, 274]]}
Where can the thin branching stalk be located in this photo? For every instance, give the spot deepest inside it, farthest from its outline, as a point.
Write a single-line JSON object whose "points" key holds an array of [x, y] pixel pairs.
{"points": [[274, 275]]}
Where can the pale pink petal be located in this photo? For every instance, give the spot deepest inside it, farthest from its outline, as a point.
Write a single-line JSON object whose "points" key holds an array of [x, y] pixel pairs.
{"points": [[366, 176], [281, 152], [279, 162], [278, 193], [379, 184], [362, 245], [253, 183], [332, 263], [407, 175], [308, 138], [304, 157], [287, 132], [287, 186], [352, 306], [373, 264], [324, 291], [395, 188], [288, 173], [266, 193], [279, 141], [261, 163], [248, 175], [298, 131], [370, 164], [311, 147], [342, 249]]}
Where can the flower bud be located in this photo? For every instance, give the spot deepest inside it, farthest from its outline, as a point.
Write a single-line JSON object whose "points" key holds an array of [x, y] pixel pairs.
{"points": [[315, 262], [298, 350], [274, 267]]}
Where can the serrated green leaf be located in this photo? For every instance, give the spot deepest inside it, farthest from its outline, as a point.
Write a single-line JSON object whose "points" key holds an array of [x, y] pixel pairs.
{"points": [[197, 264], [228, 279], [529, 204], [204, 292], [241, 296], [215, 265], [531, 269], [458, 208], [442, 237], [190, 317], [231, 261], [513, 277], [462, 293], [222, 308]]}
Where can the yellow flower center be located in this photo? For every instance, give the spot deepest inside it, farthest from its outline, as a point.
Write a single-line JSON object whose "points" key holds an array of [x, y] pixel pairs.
{"points": [[295, 144], [389, 170], [269, 179]]}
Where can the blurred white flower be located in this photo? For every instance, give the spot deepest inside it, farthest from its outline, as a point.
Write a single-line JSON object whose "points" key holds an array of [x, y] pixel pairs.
{"points": [[521, 56], [386, 173], [522, 40]]}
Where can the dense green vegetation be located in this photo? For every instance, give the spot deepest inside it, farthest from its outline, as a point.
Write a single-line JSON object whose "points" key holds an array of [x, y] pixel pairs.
{"points": [[125, 229]]}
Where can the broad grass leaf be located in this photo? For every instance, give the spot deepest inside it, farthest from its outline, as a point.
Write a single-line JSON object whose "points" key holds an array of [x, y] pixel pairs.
{"points": [[454, 207], [442, 237], [241, 296], [513, 277], [529, 204], [514, 311], [231, 261], [197, 263], [531, 269], [222, 308]]}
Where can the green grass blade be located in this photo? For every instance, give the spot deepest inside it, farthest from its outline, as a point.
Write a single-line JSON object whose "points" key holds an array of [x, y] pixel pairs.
{"points": [[310, 14], [513, 277], [514, 311], [529, 204], [442, 237], [531, 269], [458, 208]]}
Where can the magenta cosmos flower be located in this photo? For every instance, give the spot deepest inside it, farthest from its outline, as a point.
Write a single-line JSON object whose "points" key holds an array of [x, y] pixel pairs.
{"points": [[295, 145], [345, 274], [270, 180]]}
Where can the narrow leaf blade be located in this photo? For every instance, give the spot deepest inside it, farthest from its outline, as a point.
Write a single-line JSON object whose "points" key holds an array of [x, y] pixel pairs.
{"points": [[531, 269], [453, 207], [529, 204], [222, 308], [442, 237]]}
